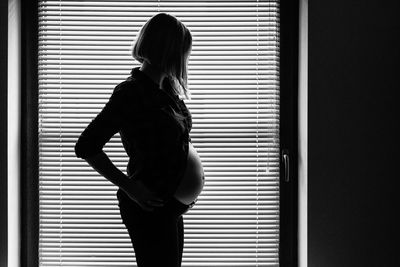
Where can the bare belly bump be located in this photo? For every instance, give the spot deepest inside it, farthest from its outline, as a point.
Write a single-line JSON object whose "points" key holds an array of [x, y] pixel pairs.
{"points": [[192, 181]]}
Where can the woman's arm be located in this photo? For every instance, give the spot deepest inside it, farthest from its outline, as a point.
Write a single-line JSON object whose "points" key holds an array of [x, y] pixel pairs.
{"points": [[132, 187], [103, 165], [90, 148]]}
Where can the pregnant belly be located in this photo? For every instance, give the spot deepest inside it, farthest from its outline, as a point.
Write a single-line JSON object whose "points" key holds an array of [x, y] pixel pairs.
{"points": [[192, 181]]}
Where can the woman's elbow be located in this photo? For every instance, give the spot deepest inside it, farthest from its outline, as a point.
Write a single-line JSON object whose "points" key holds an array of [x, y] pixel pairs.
{"points": [[84, 149], [80, 151]]}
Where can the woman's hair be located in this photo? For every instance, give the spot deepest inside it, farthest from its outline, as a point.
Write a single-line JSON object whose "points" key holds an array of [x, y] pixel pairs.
{"points": [[165, 43]]}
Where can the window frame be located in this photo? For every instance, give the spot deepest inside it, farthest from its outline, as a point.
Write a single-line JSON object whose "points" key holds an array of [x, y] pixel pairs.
{"points": [[29, 190], [3, 133], [29, 153], [289, 130]]}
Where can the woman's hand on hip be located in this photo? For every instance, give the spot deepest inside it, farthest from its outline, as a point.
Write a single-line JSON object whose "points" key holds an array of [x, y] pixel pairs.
{"points": [[139, 193]]}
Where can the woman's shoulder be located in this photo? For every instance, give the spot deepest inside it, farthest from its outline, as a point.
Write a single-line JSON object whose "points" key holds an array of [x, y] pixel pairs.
{"points": [[130, 89], [127, 86]]}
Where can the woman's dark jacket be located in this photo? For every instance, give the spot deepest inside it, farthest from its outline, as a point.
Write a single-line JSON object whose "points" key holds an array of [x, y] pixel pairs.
{"points": [[154, 126]]}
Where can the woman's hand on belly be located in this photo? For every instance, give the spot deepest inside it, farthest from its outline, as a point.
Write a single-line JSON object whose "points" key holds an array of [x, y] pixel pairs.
{"points": [[139, 193]]}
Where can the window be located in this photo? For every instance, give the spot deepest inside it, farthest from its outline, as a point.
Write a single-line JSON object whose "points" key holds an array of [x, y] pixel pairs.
{"points": [[234, 72]]}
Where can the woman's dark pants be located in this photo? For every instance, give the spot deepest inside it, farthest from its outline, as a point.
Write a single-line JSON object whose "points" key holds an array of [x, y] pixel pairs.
{"points": [[157, 236]]}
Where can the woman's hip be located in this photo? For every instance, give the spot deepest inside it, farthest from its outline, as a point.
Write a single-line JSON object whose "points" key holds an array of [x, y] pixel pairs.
{"points": [[172, 209]]}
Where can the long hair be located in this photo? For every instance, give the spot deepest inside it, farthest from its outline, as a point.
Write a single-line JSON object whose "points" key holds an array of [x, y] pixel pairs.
{"points": [[165, 43]]}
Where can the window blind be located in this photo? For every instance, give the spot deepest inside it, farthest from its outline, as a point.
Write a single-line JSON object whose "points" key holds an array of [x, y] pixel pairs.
{"points": [[84, 51]]}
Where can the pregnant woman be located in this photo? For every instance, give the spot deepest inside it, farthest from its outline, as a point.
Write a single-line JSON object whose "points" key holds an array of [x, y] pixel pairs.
{"points": [[164, 173]]}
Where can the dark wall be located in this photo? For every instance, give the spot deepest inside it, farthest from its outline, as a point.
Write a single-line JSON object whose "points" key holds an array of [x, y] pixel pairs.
{"points": [[353, 133], [3, 131]]}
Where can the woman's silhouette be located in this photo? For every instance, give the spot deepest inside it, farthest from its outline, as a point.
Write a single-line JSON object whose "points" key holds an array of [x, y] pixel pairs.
{"points": [[165, 174]]}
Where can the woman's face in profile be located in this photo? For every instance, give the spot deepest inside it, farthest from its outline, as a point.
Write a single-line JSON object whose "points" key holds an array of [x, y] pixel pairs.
{"points": [[187, 55]]}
